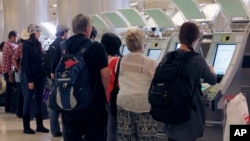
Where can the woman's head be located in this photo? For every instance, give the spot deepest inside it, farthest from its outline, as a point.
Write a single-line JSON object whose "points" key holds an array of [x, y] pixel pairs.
{"points": [[34, 31], [135, 40], [34, 34], [189, 32], [112, 43]]}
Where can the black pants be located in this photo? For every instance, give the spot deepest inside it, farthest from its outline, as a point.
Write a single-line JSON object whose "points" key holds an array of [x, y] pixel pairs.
{"points": [[19, 110], [91, 129], [8, 93]]}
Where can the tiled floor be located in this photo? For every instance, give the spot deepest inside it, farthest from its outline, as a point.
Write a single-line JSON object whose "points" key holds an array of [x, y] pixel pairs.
{"points": [[11, 129]]}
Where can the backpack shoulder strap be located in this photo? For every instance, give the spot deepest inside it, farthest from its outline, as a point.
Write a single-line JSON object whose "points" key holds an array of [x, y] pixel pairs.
{"points": [[63, 47], [86, 46], [167, 57], [83, 49]]}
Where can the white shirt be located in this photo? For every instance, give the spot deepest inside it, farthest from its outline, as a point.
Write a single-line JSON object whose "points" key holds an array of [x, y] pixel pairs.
{"points": [[135, 76]]}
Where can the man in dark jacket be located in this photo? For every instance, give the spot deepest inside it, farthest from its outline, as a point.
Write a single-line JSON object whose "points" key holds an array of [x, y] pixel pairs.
{"points": [[89, 123], [61, 34]]}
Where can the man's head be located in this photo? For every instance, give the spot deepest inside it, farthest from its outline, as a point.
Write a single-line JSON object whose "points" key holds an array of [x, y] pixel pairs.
{"points": [[12, 36], [82, 24], [62, 30]]}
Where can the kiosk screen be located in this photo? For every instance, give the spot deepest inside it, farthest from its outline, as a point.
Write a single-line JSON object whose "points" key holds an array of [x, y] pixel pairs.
{"points": [[125, 50], [223, 56], [154, 53]]}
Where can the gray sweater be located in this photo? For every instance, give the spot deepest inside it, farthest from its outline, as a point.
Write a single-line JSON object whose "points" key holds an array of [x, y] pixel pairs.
{"points": [[196, 68]]}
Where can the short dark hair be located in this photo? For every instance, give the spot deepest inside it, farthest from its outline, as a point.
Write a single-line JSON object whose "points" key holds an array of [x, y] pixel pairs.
{"points": [[12, 33], [189, 32], [112, 44]]}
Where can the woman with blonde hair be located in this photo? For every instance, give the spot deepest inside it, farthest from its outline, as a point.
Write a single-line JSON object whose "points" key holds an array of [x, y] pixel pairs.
{"points": [[136, 73]]}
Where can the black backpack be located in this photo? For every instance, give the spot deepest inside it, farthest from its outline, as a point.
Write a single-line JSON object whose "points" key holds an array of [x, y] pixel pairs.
{"points": [[72, 86], [170, 93], [47, 59]]}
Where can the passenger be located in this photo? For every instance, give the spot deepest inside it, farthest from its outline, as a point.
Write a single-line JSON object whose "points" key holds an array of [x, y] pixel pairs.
{"points": [[196, 68], [135, 76], [7, 70], [1, 46], [33, 79], [1, 56], [112, 44], [90, 123], [16, 60], [93, 33], [61, 34]]}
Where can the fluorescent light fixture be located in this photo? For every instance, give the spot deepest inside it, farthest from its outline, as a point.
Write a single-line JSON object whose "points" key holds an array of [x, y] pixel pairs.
{"points": [[54, 5], [133, 4]]}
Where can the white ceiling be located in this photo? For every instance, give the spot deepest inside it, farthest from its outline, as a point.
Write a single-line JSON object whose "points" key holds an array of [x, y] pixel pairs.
{"points": [[163, 4], [52, 10]]}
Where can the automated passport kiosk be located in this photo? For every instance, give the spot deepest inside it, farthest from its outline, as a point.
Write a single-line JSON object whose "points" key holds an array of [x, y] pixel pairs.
{"points": [[205, 44], [124, 50], [155, 48], [224, 55], [222, 51], [173, 43]]}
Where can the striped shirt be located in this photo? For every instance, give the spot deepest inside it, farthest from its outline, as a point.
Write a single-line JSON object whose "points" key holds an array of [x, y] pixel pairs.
{"points": [[17, 55]]}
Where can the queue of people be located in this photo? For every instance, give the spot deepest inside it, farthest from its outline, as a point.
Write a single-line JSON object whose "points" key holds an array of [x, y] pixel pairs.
{"points": [[131, 120]]}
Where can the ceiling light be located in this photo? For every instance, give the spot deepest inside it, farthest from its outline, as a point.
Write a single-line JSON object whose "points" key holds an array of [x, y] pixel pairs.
{"points": [[133, 4]]}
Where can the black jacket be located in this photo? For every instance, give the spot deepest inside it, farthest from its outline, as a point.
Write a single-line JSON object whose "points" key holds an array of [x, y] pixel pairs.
{"points": [[57, 55], [32, 64]]}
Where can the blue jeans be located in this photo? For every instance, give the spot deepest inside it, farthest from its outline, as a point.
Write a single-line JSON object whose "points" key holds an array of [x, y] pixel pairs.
{"points": [[36, 94], [54, 122]]}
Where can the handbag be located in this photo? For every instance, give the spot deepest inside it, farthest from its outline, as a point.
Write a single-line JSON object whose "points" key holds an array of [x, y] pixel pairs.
{"points": [[114, 92], [2, 85]]}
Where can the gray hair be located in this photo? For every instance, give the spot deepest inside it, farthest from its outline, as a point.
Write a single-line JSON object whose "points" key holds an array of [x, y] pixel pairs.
{"points": [[80, 23]]}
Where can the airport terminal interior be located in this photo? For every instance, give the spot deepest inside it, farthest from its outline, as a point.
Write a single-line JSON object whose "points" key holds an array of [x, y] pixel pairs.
{"points": [[224, 43]]}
